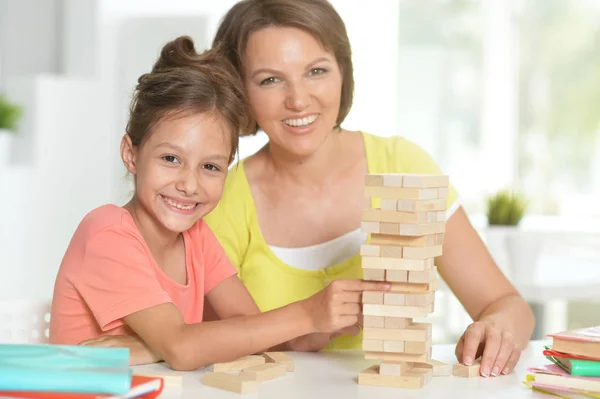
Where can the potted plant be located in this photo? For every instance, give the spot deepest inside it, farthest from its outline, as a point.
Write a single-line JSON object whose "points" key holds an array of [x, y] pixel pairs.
{"points": [[10, 114], [505, 208]]}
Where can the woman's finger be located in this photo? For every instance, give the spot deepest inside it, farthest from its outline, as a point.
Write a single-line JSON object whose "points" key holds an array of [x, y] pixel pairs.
{"points": [[512, 361], [472, 338], [492, 342], [504, 353]]}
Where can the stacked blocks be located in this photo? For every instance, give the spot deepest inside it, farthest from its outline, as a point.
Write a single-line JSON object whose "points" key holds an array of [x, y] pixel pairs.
{"points": [[407, 233]]}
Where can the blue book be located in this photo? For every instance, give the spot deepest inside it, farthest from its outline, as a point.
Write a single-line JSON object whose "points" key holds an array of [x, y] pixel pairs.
{"points": [[64, 368]]}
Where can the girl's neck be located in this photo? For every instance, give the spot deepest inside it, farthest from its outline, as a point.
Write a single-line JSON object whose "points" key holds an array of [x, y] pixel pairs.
{"points": [[157, 237]]}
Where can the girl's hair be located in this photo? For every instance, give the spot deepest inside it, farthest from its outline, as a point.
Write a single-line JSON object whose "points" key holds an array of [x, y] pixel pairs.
{"points": [[316, 17], [183, 82]]}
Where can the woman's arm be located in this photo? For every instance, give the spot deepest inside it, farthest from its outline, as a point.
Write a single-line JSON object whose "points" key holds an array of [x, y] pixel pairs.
{"points": [[504, 322]]}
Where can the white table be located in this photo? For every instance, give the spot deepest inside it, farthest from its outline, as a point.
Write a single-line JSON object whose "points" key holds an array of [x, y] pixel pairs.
{"points": [[333, 374]]}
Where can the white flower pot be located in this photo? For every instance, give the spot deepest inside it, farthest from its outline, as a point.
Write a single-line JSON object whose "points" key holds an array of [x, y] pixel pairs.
{"points": [[6, 140]]}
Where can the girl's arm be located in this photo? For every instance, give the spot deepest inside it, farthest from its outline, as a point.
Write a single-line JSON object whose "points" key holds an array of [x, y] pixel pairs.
{"points": [[190, 346], [504, 322]]}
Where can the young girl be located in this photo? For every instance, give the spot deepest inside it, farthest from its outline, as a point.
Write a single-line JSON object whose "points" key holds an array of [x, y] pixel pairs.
{"points": [[144, 269]]}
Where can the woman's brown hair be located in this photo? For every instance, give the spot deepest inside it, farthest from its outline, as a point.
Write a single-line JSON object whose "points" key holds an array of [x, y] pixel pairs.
{"points": [[183, 82], [316, 17]]}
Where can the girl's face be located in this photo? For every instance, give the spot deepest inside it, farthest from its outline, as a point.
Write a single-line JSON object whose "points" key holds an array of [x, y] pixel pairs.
{"points": [[180, 169], [294, 87]]}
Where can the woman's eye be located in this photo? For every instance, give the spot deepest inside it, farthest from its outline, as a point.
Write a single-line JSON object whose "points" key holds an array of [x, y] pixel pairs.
{"points": [[317, 71], [268, 81], [212, 167], [171, 158]]}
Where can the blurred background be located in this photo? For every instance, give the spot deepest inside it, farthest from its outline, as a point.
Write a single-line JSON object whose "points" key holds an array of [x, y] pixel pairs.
{"points": [[505, 94]]}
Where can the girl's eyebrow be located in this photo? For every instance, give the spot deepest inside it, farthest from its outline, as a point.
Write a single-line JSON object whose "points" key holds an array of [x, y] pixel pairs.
{"points": [[169, 145]]}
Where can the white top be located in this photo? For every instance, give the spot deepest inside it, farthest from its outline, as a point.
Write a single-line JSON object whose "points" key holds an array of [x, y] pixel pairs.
{"points": [[333, 374], [333, 252]]}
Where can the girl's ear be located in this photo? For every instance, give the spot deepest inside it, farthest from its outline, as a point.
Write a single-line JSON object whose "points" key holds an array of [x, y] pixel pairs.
{"points": [[128, 153]]}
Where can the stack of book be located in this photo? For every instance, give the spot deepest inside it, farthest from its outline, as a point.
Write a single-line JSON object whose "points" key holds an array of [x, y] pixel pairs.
{"points": [[47, 371], [575, 368]]}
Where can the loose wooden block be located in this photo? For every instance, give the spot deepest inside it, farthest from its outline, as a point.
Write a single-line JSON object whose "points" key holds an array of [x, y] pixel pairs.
{"points": [[374, 345], [412, 379], [397, 322], [230, 382], [398, 276], [369, 250], [461, 370], [373, 321], [397, 357], [394, 311], [382, 215], [405, 241], [393, 298], [425, 276], [425, 181], [280, 358], [264, 372], [394, 346], [440, 369], [413, 287], [170, 379], [420, 332], [239, 364], [422, 253], [394, 368], [408, 205], [374, 274], [373, 297], [369, 262], [402, 193]]}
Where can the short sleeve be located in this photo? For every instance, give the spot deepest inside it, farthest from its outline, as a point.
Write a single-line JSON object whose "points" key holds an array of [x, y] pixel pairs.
{"points": [[229, 221], [217, 266], [117, 277]]}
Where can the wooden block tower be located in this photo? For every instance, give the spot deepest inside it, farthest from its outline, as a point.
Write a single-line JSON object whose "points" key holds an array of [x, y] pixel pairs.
{"points": [[407, 232]]}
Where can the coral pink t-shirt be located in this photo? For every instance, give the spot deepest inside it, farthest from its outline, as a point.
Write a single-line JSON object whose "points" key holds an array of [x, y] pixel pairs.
{"points": [[108, 273]]}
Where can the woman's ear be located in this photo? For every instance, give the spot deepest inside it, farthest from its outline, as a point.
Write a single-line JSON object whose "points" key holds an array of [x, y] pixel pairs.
{"points": [[128, 153]]}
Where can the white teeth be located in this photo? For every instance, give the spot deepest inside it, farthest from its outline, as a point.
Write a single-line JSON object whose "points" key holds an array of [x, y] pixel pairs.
{"points": [[302, 121], [179, 206]]}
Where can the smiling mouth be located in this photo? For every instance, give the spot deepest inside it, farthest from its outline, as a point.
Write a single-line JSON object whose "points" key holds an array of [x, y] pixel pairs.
{"points": [[300, 122], [178, 205]]}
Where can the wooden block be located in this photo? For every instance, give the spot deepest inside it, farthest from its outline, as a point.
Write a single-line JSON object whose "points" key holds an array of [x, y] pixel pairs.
{"points": [[369, 250], [369, 262], [443, 192], [399, 276], [230, 382], [170, 379], [369, 227], [394, 311], [374, 274], [418, 299], [239, 364], [461, 370], [374, 180], [408, 205], [264, 372], [382, 215], [405, 241], [425, 276], [422, 253], [390, 251], [441, 216], [432, 217], [374, 345], [420, 332], [394, 368], [397, 357], [393, 346], [412, 379], [373, 321], [425, 181], [280, 358], [416, 347], [413, 287], [397, 322], [402, 193], [421, 228], [393, 298], [431, 307], [440, 369], [373, 297]]}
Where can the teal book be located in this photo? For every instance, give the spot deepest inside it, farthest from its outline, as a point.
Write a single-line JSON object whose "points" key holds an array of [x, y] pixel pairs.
{"points": [[572, 364], [64, 368]]}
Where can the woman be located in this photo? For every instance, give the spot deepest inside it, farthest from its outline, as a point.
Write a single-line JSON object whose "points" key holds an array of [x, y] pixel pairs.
{"points": [[290, 214]]}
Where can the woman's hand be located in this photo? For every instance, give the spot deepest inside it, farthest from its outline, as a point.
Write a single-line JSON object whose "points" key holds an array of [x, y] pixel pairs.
{"points": [[338, 305], [497, 347], [139, 352]]}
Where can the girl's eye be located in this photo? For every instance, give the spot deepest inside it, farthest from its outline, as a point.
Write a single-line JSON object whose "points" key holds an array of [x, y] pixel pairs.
{"points": [[212, 167], [269, 81], [317, 71], [170, 158]]}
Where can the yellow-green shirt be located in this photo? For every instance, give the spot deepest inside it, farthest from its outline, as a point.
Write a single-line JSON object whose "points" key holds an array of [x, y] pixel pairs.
{"points": [[271, 282]]}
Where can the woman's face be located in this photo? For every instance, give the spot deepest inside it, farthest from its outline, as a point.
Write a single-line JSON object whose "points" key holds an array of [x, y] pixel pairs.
{"points": [[294, 87]]}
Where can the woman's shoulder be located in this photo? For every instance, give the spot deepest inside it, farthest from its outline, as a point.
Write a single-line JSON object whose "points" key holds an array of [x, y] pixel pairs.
{"points": [[395, 154]]}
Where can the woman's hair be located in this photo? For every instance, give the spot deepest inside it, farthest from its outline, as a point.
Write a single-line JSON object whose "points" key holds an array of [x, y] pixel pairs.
{"points": [[183, 82], [316, 17]]}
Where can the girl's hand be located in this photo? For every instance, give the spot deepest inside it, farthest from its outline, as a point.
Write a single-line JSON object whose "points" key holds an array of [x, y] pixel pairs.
{"points": [[496, 345], [338, 305], [139, 352], [318, 341]]}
